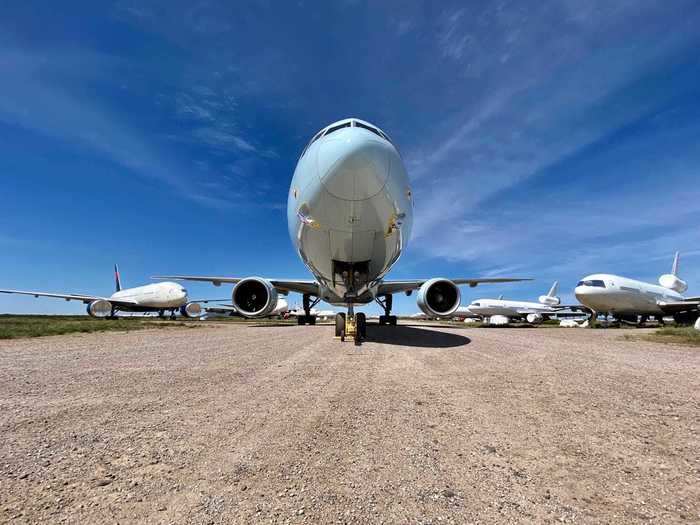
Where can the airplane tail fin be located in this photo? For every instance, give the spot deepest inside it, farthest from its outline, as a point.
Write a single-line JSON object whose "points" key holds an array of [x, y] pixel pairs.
{"points": [[676, 260], [117, 278], [551, 298]]}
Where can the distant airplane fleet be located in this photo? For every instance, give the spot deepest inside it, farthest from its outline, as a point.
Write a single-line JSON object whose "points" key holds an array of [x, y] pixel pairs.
{"points": [[349, 215]]}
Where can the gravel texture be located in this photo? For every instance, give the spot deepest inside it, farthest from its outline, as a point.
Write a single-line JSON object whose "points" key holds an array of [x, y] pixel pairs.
{"points": [[284, 424]]}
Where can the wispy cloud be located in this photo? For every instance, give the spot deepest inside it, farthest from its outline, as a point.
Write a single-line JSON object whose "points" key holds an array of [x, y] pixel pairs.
{"points": [[555, 98]]}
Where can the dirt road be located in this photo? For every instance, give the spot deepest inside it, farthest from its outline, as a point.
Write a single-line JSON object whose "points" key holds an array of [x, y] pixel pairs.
{"points": [[277, 424]]}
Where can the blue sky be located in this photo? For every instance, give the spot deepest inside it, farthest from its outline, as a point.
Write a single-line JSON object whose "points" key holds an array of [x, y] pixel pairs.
{"points": [[547, 140]]}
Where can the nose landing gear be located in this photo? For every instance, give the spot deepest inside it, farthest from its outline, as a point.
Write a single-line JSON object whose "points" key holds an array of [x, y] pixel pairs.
{"points": [[352, 326]]}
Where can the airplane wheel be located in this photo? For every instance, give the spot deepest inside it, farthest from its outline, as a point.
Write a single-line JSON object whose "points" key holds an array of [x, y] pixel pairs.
{"points": [[382, 320], [361, 320], [393, 320], [342, 335], [311, 319], [358, 337], [301, 320], [339, 324]]}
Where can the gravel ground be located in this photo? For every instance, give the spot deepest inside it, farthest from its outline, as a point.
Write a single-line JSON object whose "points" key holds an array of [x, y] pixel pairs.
{"points": [[248, 424]]}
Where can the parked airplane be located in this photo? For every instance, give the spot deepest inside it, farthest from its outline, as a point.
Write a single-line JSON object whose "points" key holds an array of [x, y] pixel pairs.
{"points": [[349, 214], [314, 314], [156, 297], [532, 312], [634, 301]]}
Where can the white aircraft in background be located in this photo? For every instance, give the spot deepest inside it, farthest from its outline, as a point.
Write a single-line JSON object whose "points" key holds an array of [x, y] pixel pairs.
{"points": [[349, 215], [502, 311], [317, 314], [230, 310], [635, 301], [156, 297]]}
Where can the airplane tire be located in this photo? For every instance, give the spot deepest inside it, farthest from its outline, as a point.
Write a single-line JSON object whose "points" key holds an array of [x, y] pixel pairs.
{"points": [[393, 320], [361, 320], [358, 336], [339, 324], [301, 320], [382, 320], [311, 319]]}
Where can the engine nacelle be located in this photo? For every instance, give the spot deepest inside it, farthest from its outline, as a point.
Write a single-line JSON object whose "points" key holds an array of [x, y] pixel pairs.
{"points": [[99, 308], [534, 318], [254, 297], [191, 310], [672, 282], [438, 297], [549, 300], [498, 320]]}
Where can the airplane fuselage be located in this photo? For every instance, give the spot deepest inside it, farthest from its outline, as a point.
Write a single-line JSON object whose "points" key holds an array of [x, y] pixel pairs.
{"points": [[165, 295], [349, 210], [619, 295], [489, 307]]}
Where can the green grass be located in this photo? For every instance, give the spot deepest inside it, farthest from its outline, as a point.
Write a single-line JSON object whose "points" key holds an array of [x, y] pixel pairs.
{"points": [[18, 326], [684, 335]]}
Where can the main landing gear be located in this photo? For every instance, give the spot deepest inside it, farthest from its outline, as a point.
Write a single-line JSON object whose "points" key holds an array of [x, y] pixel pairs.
{"points": [[352, 326], [386, 304], [307, 318]]}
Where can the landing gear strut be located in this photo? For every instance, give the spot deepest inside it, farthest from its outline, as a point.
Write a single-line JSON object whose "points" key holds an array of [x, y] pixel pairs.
{"points": [[307, 318], [386, 304], [351, 325]]}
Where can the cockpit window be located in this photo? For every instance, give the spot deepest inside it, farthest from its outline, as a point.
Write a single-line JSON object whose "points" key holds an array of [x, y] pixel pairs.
{"points": [[336, 128], [368, 128], [476, 304], [592, 282], [316, 137]]}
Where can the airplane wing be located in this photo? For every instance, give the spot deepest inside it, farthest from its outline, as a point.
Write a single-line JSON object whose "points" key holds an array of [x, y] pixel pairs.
{"points": [[673, 307], [282, 285], [390, 287], [72, 297]]}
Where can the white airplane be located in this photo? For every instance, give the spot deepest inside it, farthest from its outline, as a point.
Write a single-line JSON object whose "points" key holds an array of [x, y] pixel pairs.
{"points": [[634, 301], [532, 312], [230, 310], [349, 214], [156, 297], [318, 314]]}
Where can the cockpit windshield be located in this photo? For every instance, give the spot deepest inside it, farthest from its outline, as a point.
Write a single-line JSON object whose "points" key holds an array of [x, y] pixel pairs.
{"points": [[592, 282]]}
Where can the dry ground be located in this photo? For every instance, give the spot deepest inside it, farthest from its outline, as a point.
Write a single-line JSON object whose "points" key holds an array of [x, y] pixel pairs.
{"points": [[248, 424]]}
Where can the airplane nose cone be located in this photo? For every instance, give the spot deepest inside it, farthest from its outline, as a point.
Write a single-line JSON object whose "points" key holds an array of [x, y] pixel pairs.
{"points": [[354, 166]]}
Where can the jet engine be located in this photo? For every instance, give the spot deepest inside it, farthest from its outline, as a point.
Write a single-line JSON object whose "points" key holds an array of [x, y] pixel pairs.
{"points": [[498, 320], [191, 310], [549, 300], [534, 318], [672, 282], [438, 297], [254, 297], [99, 308]]}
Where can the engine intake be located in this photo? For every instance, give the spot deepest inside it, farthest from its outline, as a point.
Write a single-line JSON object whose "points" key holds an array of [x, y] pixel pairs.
{"points": [[254, 297], [99, 308], [549, 300], [438, 297], [534, 318], [191, 310]]}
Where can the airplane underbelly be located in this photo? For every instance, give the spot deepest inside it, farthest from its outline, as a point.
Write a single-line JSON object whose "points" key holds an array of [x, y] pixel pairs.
{"points": [[341, 238]]}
